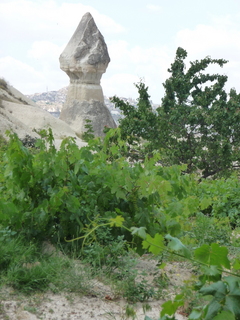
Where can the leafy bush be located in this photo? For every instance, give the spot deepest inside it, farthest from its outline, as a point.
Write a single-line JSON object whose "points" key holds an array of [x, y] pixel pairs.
{"points": [[57, 194], [205, 229], [222, 196], [197, 122], [105, 204]]}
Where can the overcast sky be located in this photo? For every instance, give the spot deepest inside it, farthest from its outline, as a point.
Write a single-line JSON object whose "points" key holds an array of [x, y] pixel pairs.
{"points": [[142, 37]]}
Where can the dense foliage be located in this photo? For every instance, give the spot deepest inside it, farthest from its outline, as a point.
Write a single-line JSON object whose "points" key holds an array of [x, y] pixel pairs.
{"points": [[57, 193], [100, 202], [96, 196], [198, 123]]}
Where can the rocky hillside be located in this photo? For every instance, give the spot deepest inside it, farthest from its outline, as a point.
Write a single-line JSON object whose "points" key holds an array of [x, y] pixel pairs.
{"points": [[52, 101], [21, 115]]}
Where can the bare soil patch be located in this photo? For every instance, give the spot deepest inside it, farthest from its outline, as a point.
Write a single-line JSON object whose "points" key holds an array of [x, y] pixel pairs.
{"points": [[101, 303]]}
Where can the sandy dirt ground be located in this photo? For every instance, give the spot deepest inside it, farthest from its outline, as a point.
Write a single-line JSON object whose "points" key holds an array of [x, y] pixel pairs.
{"points": [[60, 307], [100, 304]]}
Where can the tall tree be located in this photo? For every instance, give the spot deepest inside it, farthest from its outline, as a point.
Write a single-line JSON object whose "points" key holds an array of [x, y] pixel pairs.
{"points": [[198, 123]]}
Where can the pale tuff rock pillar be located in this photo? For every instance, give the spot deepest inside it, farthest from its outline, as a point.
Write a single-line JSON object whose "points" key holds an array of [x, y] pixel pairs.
{"points": [[85, 59]]}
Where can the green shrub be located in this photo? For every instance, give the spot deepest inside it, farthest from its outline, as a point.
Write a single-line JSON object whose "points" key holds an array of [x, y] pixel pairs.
{"points": [[57, 194]]}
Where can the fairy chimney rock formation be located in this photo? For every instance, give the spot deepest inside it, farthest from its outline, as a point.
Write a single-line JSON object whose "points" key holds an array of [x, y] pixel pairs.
{"points": [[85, 59]]}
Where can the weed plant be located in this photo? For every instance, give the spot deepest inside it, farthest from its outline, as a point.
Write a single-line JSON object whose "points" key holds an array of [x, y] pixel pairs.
{"points": [[112, 263], [105, 251], [205, 229]]}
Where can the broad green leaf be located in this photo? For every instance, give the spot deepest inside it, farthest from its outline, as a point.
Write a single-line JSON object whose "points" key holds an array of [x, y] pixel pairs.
{"points": [[147, 318], [191, 205], [119, 191], [213, 255], [72, 203], [77, 165], [154, 245], [116, 222], [173, 227], [175, 209], [202, 253], [195, 314], [176, 245], [217, 289], [170, 307], [205, 203], [233, 297], [141, 232], [153, 183], [236, 264], [210, 273], [211, 270], [226, 296], [7, 210], [121, 194], [224, 315], [212, 310], [162, 265]]}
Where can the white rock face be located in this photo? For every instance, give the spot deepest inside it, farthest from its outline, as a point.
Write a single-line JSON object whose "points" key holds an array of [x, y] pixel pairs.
{"points": [[77, 113], [20, 115], [85, 59]]}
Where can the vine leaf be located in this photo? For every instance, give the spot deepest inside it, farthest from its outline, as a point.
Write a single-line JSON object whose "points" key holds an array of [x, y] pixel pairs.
{"points": [[210, 273], [7, 210], [213, 255], [233, 296], [217, 289], [226, 296], [236, 264], [213, 308], [196, 314], [154, 245], [141, 232], [116, 222], [173, 227], [170, 307], [205, 203], [176, 245], [225, 315], [211, 270], [147, 318]]}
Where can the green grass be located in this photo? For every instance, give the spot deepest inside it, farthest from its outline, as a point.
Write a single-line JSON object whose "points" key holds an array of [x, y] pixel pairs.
{"points": [[25, 268]]}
